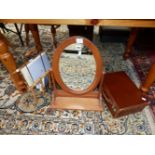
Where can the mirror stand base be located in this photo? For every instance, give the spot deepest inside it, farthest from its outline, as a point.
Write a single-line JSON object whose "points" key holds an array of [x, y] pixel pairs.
{"points": [[77, 103]]}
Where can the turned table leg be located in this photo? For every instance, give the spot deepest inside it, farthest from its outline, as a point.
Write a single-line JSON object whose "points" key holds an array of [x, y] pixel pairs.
{"points": [[8, 61], [35, 33], [131, 40], [149, 79]]}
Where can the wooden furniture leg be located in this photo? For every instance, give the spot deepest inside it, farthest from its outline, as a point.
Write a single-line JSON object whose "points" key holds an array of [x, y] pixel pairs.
{"points": [[131, 40], [53, 32], [149, 79], [9, 62], [27, 34], [19, 33], [35, 33]]}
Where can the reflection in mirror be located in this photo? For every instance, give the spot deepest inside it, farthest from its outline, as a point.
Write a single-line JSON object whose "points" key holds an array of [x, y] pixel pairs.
{"points": [[77, 67]]}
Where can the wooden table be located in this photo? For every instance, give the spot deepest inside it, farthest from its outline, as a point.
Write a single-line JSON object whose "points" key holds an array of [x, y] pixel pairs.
{"points": [[104, 22], [9, 62]]}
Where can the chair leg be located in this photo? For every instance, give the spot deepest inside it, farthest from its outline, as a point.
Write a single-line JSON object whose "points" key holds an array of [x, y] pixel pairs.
{"points": [[19, 34], [131, 40], [27, 34], [35, 33], [3, 28], [53, 32], [149, 79]]}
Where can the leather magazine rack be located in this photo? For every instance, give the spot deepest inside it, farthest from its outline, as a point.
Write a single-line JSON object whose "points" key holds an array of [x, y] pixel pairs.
{"points": [[121, 95]]}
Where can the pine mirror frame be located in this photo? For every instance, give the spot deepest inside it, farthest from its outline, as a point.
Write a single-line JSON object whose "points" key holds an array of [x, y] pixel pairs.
{"points": [[55, 64]]}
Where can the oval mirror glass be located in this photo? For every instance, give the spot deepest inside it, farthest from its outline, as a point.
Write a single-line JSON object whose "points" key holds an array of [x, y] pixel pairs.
{"points": [[77, 67]]}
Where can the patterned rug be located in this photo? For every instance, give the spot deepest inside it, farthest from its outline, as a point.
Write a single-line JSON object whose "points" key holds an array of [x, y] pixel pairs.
{"points": [[43, 120], [143, 60]]}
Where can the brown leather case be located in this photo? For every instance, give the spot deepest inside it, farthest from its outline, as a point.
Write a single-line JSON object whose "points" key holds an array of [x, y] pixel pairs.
{"points": [[121, 94]]}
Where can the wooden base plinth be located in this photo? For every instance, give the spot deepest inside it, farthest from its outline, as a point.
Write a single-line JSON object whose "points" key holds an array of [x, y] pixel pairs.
{"points": [[74, 103]]}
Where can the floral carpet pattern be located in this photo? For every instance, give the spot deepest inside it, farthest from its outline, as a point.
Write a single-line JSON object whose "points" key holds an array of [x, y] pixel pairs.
{"points": [[46, 121], [142, 60]]}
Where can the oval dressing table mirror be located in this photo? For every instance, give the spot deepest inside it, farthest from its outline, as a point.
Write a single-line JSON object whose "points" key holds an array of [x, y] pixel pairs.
{"points": [[77, 75]]}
